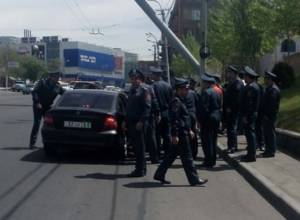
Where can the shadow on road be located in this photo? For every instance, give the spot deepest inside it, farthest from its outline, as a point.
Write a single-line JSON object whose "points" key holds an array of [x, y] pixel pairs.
{"points": [[142, 185], [38, 156], [14, 148], [102, 176]]}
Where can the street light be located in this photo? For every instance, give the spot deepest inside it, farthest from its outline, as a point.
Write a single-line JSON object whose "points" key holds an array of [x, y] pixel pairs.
{"points": [[165, 41]]}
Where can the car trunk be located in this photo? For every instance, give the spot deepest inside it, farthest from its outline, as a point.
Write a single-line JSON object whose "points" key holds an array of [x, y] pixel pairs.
{"points": [[81, 119]]}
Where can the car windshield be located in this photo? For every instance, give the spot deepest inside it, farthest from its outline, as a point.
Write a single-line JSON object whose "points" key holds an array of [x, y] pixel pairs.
{"points": [[99, 101]]}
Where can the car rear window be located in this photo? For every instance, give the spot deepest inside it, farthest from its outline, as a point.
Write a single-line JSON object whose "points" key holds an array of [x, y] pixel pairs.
{"points": [[87, 100]]}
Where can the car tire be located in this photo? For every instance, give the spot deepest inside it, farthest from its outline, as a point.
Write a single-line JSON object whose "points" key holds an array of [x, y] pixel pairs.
{"points": [[49, 150]]}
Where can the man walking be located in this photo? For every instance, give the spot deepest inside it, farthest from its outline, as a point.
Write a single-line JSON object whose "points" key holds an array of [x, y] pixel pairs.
{"points": [[180, 130]]}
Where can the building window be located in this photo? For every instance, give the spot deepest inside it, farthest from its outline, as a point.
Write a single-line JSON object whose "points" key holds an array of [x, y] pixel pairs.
{"points": [[196, 14]]}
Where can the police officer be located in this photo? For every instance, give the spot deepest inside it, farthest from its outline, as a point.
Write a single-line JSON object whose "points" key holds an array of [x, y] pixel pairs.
{"points": [[210, 117], [191, 102], [163, 92], [259, 120], [249, 111], [138, 113], [43, 96], [150, 125], [232, 98], [180, 130], [271, 102]]}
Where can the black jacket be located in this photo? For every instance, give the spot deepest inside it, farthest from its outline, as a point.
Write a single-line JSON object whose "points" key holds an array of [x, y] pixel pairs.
{"points": [[164, 94], [45, 92], [250, 101], [271, 102]]}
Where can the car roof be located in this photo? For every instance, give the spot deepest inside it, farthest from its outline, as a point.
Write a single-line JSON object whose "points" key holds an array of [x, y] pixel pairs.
{"points": [[93, 91]]}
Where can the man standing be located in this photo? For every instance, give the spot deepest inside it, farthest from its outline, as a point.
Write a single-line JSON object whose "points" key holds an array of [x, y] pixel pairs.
{"points": [[271, 102], [259, 121], [150, 125], [232, 98], [249, 111], [138, 113], [180, 131], [43, 96], [191, 102], [210, 116], [163, 92]]}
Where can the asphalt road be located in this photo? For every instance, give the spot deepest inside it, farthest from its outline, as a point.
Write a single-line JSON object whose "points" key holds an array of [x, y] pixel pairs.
{"points": [[84, 186]]}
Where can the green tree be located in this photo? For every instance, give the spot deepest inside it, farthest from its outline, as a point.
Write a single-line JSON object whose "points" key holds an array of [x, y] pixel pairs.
{"points": [[180, 65], [32, 68], [241, 30]]}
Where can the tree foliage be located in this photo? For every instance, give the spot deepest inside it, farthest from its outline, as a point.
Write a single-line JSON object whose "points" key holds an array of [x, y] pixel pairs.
{"points": [[180, 66], [32, 68], [241, 31]]}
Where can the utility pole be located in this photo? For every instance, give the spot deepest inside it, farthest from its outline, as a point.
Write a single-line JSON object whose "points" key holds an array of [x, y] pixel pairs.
{"points": [[166, 51], [203, 47]]}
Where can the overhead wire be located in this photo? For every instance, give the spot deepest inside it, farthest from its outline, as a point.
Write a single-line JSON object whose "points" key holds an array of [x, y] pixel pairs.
{"points": [[75, 16]]}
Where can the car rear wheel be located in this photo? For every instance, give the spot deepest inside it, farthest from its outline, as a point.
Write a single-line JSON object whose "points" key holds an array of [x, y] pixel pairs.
{"points": [[120, 152], [49, 150]]}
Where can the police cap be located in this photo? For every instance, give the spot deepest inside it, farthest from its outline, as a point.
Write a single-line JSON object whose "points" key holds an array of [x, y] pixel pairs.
{"points": [[270, 75], [181, 83], [233, 69], [156, 71], [136, 73], [54, 74], [206, 77], [250, 72], [215, 76]]}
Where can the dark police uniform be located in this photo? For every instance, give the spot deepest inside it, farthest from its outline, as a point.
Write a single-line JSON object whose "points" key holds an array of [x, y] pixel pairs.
{"points": [[150, 127], [191, 101], [232, 99], [249, 111], [259, 121], [271, 102], [138, 110], [163, 92], [44, 94], [210, 116], [180, 127]]}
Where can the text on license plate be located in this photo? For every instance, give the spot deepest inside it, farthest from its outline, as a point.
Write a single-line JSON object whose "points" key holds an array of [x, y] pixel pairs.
{"points": [[77, 124]]}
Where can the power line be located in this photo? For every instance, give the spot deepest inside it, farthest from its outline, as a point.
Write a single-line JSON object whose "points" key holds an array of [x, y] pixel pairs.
{"points": [[75, 15], [82, 13]]}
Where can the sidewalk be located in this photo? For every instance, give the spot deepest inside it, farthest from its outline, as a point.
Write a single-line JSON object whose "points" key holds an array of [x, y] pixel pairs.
{"points": [[277, 179]]}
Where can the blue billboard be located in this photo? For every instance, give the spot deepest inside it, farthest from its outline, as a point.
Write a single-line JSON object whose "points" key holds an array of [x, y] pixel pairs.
{"points": [[89, 60]]}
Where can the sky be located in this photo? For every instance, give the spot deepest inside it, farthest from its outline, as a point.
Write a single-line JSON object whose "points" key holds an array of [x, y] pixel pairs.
{"points": [[122, 22]]}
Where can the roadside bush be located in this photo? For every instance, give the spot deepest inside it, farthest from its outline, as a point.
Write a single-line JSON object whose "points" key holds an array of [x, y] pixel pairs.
{"points": [[285, 74]]}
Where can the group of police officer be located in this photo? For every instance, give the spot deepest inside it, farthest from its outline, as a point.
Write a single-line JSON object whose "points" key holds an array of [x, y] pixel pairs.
{"points": [[156, 111]]}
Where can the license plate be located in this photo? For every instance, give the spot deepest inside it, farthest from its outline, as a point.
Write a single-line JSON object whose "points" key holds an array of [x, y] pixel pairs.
{"points": [[77, 124]]}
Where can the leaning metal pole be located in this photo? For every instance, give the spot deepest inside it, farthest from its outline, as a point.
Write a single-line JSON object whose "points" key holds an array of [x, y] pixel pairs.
{"points": [[172, 38]]}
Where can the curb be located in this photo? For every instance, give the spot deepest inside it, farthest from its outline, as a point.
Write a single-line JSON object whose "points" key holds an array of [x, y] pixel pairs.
{"points": [[280, 200]]}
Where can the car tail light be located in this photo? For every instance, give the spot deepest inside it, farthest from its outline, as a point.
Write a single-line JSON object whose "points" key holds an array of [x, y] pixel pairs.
{"points": [[110, 123], [48, 120]]}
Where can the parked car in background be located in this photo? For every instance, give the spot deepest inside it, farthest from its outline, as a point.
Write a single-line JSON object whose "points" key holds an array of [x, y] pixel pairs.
{"points": [[65, 85], [86, 120], [87, 85], [18, 86], [27, 89]]}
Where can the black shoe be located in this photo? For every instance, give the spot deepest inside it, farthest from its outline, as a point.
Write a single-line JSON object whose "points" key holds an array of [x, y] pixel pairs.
{"points": [[268, 155], [136, 173], [161, 180], [155, 161], [230, 151], [246, 158], [32, 147], [199, 182]]}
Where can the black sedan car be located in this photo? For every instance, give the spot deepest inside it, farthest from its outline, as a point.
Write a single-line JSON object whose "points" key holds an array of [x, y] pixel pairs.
{"points": [[86, 119]]}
